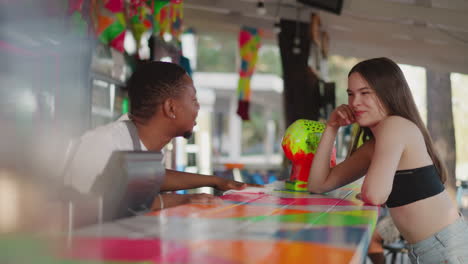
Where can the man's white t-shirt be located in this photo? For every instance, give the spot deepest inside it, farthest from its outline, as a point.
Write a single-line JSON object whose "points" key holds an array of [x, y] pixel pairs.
{"points": [[94, 150]]}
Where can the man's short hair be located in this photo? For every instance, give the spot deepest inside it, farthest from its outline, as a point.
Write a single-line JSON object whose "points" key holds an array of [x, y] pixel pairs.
{"points": [[151, 84]]}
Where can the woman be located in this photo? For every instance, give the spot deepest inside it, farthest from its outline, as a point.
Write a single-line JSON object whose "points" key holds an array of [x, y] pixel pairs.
{"points": [[398, 158]]}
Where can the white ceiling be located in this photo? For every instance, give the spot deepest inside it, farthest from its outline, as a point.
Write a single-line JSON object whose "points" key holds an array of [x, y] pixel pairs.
{"points": [[429, 33]]}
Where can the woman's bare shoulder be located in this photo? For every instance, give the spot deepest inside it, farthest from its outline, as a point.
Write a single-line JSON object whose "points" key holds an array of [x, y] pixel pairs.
{"points": [[398, 125], [396, 130], [398, 120]]}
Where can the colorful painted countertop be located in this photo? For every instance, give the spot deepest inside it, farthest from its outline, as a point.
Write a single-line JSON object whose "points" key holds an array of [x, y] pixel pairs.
{"points": [[272, 226]]}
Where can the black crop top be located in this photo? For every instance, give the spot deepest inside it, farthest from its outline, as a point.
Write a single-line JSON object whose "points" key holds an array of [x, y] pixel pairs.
{"points": [[413, 185]]}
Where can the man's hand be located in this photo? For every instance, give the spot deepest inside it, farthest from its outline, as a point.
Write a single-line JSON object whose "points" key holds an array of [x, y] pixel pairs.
{"points": [[225, 184], [172, 199], [343, 115], [203, 198]]}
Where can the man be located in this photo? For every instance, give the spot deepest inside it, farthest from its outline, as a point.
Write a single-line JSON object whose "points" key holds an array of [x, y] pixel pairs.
{"points": [[163, 105]]}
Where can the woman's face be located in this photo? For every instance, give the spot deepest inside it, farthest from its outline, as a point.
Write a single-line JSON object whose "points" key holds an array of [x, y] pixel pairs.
{"points": [[187, 109], [363, 100]]}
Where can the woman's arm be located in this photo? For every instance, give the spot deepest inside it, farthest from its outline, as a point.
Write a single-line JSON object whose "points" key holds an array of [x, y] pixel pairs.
{"points": [[172, 199], [391, 135], [351, 169], [178, 180], [320, 168], [322, 178]]}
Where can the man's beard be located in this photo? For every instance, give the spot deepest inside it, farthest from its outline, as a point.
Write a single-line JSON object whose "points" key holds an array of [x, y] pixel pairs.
{"points": [[188, 134]]}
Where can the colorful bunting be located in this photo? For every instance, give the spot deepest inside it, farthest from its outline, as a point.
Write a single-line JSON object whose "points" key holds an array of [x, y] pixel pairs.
{"points": [[139, 14], [163, 21], [177, 15], [110, 25], [109, 19], [157, 6], [249, 44]]}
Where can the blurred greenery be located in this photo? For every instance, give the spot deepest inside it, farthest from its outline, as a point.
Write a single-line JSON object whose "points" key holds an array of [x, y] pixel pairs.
{"points": [[460, 115], [219, 52], [216, 53], [269, 60], [254, 131]]}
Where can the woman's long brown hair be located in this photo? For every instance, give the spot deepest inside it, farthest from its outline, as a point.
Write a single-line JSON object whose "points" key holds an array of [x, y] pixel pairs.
{"points": [[387, 80]]}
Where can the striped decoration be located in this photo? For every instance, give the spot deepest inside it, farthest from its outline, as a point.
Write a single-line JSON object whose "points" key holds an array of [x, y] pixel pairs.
{"points": [[249, 44]]}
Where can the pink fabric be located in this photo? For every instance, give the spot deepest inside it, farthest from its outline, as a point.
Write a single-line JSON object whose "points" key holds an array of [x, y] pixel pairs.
{"points": [[118, 42], [74, 5], [244, 37], [266, 199], [136, 250], [115, 6]]}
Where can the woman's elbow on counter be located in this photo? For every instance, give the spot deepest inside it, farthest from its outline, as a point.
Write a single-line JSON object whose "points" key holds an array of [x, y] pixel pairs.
{"points": [[374, 198], [316, 188]]}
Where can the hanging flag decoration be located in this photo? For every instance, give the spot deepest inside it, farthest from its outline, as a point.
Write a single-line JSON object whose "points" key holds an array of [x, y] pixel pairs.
{"points": [[108, 19], [163, 20], [157, 6], [110, 23], [139, 13], [177, 16], [249, 44]]}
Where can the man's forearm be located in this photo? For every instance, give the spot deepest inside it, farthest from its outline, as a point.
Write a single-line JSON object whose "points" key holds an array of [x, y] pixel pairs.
{"points": [[178, 180]]}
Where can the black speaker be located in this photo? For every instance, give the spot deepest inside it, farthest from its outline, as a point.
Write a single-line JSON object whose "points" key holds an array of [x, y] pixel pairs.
{"points": [[333, 6]]}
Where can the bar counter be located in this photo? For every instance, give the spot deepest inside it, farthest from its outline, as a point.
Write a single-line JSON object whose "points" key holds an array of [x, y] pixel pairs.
{"points": [[256, 225]]}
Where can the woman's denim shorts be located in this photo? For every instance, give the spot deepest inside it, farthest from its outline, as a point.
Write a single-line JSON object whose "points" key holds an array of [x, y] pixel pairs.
{"points": [[450, 245]]}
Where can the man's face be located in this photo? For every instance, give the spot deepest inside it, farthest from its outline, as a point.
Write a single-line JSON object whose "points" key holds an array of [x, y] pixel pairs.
{"points": [[187, 109]]}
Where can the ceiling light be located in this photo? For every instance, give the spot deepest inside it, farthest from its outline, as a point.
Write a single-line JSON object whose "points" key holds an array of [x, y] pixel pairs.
{"points": [[261, 10]]}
